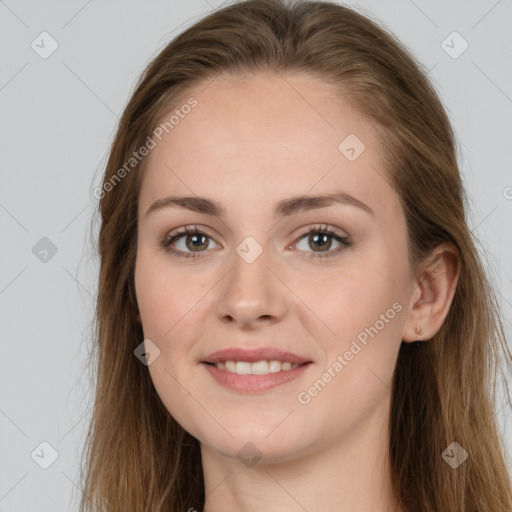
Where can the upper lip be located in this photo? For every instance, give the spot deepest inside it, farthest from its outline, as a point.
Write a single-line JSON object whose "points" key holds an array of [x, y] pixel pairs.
{"points": [[253, 355]]}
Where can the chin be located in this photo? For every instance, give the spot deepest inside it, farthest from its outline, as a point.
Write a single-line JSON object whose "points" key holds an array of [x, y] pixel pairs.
{"points": [[252, 445]]}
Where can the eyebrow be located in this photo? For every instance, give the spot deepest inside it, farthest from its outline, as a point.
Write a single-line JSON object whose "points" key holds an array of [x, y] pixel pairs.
{"points": [[284, 208]]}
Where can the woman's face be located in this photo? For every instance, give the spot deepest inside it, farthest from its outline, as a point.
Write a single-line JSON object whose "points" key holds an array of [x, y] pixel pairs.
{"points": [[256, 277]]}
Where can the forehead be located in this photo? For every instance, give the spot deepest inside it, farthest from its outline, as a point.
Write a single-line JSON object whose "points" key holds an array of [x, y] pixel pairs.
{"points": [[265, 137]]}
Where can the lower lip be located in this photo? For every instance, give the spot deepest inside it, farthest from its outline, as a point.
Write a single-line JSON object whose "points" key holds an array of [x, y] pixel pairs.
{"points": [[254, 383]]}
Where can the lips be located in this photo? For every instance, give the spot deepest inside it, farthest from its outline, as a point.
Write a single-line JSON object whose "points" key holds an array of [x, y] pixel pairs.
{"points": [[255, 384], [254, 355]]}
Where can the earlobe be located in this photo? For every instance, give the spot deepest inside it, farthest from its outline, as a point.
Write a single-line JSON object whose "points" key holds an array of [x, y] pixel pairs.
{"points": [[432, 294]]}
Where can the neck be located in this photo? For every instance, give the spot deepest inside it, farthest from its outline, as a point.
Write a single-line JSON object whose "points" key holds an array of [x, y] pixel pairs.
{"points": [[350, 475]]}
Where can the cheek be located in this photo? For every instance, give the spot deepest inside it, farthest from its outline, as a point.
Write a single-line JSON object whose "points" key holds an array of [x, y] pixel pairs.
{"points": [[353, 295], [363, 309], [166, 295], [362, 305], [169, 309]]}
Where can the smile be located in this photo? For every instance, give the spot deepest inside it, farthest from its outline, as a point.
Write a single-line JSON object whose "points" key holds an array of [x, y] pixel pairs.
{"points": [[254, 377], [263, 367]]}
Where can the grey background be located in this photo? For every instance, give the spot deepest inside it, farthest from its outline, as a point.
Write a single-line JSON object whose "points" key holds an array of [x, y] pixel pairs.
{"points": [[57, 121]]}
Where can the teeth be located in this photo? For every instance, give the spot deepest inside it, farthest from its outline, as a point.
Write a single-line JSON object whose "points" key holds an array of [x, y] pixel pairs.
{"points": [[257, 368]]}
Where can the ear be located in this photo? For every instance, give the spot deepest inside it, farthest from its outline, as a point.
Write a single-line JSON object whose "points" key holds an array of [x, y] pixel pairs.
{"points": [[432, 292]]}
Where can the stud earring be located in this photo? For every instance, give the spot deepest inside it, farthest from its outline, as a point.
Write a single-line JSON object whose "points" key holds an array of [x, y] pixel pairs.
{"points": [[419, 331]]}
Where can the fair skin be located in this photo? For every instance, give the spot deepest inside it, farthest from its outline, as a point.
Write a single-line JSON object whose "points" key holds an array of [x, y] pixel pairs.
{"points": [[248, 145]]}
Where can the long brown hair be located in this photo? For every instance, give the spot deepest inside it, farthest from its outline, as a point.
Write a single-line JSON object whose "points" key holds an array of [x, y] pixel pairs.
{"points": [[137, 457]]}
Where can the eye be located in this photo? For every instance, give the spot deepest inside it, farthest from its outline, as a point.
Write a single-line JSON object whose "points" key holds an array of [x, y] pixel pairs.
{"points": [[197, 241], [194, 239], [321, 238]]}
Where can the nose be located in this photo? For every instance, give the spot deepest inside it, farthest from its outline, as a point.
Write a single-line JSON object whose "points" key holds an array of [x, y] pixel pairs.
{"points": [[252, 294]]}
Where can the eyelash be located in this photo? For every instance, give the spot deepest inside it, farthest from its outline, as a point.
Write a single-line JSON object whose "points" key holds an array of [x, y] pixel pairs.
{"points": [[169, 238]]}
